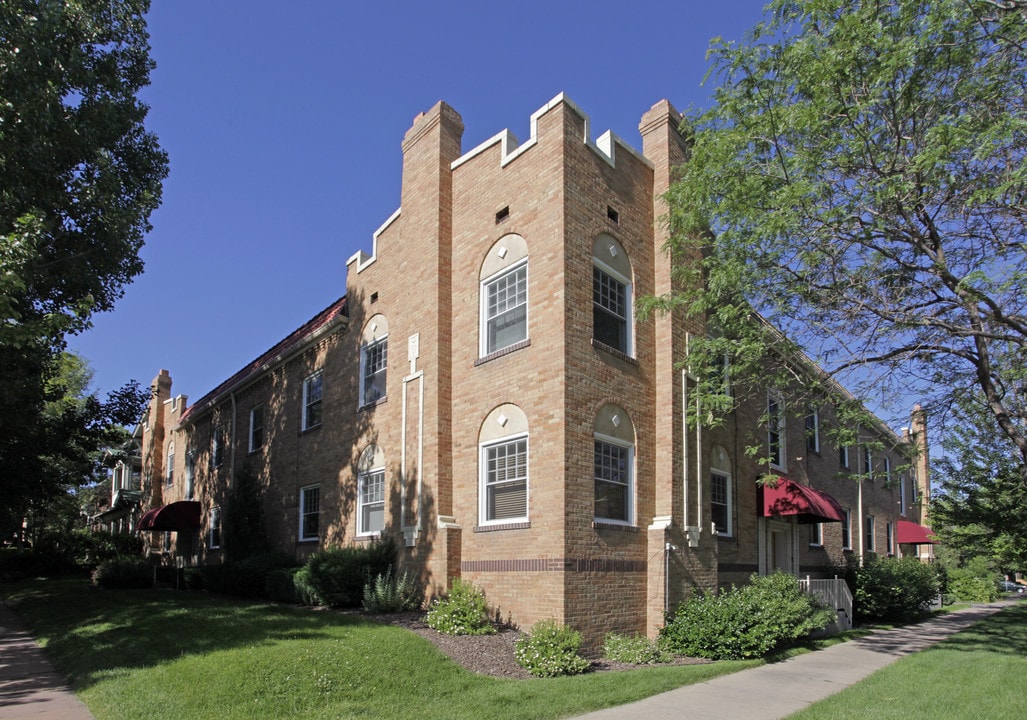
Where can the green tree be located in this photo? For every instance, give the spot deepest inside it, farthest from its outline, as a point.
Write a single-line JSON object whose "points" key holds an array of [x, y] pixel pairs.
{"points": [[79, 178], [860, 182], [63, 451], [979, 507]]}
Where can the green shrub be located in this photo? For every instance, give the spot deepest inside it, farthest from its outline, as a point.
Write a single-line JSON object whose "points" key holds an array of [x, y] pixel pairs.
{"points": [[123, 573], [19, 564], [464, 611], [635, 649], [387, 593], [192, 578], [752, 621], [894, 590], [280, 586], [970, 588], [336, 576], [550, 650]]}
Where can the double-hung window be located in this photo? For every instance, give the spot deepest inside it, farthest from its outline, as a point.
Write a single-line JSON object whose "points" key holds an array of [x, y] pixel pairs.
{"points": [[504, 496], [868, 531], [256, 428], [813, 430], [312, 390], [816, 534], [868, 463], [374, 360], [847, 530], [214, 536], [843, 456], [614, 490], [371, 502], [310, 512], [169, 471], [611, 310], [218, 442], [720, 501], [776, 431], [505, 309]]}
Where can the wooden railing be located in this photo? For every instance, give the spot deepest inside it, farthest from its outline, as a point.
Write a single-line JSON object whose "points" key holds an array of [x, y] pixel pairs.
{"points": [[835, 594]]}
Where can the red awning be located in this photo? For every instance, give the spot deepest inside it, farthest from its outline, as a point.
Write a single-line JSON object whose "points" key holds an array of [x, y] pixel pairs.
{"points": [[182, 515], [913, 534], [809, 505]]}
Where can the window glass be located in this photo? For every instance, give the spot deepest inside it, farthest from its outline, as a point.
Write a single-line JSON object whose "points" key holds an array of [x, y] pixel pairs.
{"points": [[720, 501], [775, 431], [310, 513], [375, 366], [610, 310], [372, 502], [312, 388], [506, 309], [506, 480], [257, 428], [612, 481]]}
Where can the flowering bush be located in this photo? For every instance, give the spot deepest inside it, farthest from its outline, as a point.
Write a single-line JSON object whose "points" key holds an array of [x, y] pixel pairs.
{"points": [[635, 649], [463, 612], [550, 649]]}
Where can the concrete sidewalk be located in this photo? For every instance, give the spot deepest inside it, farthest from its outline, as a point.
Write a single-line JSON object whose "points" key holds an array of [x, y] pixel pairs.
{"points": [[780, 689], [30, 688]]}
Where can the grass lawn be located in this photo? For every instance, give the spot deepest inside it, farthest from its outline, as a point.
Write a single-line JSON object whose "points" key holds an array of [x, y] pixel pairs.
{"points": [[977, 674], [136, 654]]}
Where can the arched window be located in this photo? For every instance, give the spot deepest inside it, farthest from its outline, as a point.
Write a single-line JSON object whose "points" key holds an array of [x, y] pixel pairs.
{"points": [[374, 351], [612, 298], [614, 463], [371, 491], [503, 466], [721, 491], [504, 295]]}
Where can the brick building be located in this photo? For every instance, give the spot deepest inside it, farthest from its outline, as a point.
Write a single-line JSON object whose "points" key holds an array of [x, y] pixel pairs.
{"points": [[484, 393]]}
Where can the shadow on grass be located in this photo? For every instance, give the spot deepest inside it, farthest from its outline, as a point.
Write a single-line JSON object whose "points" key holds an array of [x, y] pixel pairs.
{"points": [[88, 632]]}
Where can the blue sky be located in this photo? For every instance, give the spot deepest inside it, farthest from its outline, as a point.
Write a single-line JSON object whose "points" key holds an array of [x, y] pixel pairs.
{"points": [[283, 122]]}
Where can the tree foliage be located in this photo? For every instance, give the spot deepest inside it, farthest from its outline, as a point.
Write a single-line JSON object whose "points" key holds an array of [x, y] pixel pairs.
{"points": [[979, 507], [79, 177], [860, 182], [46, 462]]}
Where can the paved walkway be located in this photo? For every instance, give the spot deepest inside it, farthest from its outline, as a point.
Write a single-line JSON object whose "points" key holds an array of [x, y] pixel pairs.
{"points": [[30, 688], [777, 690]]}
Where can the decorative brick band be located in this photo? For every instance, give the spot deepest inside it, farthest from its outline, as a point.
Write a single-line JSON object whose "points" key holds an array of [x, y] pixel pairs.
{"points": [[554, 565]]}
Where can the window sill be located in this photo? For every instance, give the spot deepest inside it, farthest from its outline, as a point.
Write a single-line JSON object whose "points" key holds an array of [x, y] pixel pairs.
{"points": [[614, 351], [309, 540], [503, 352], [367, 537], [310, 429], [373, 404], [525, 525], [614, 525]]}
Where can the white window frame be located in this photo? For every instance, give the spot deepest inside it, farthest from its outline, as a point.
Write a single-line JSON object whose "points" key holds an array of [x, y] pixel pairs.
{"points": [[629, 302], [214, 529], [383, 372], [309, 404], [887, 471], [843, 456], [218, 445], [363, 505], [889, 537], [484, 486], [729, 504], [902, 496], [169, 469], [629, 506], [304, 512], [847, 530], [869, 541], [484, 318], [776, 425], [813, 433], [816, 535], [868, 463], [254, 411]]}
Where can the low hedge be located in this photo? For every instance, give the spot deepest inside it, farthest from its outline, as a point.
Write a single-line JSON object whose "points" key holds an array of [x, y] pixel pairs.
{"points": [[336, 576]]}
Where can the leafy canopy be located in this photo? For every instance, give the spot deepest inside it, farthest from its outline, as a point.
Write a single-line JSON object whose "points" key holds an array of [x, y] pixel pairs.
{"points": [[860, 182]]}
